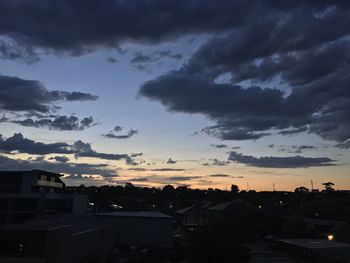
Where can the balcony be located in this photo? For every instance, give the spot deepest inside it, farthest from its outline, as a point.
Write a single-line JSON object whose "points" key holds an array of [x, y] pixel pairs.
{"points": [[50, 184]]}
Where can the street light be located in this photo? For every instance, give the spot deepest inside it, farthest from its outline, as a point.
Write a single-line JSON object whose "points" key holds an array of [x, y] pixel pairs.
{"points": [[330, 237]]}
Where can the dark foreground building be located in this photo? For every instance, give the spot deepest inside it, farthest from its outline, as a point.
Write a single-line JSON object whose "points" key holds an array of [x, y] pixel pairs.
{"points": [[42, 222], [59, 240], [30, 194], [149, 229]]}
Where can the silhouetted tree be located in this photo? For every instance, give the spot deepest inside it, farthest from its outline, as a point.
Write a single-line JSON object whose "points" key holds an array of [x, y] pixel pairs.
{"points": [[128, 185], [234, 189], [168, 188], [328, 186], [301, 189]]}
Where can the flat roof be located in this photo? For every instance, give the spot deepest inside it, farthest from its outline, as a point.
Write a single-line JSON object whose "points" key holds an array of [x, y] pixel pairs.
{"points": [[31, 171], [147, 214], [77, 224], [315, 243]]}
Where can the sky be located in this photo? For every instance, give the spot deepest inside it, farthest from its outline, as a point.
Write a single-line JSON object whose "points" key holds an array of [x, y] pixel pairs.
{"points": [[199, 93]]}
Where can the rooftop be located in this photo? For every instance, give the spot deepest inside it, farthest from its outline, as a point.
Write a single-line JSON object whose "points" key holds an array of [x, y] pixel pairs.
{"points": [[149, 214], [77, 224], [315, 243], [32, 171]]}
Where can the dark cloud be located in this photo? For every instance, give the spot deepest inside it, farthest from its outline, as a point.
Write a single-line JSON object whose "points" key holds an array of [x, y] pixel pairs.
{"points": [[74, 27], [139, 169], [171, 161], [23, 95], [280, 162], [225, 175], [281, 77], [217, 162], [17, 143], [9, 164], [62, 159], [117, 129], [182, 178], [306, 147], [168, 170], [134, 161], [136, 154], [58, 122], [219, 146], [345, 145], [82, 149], [4, 119], [169, 54], [293, 131], [139, 179], [112, 60], [76, 96], [13, 51], [234, 107], [219, 175], [296, 149], [140, 60], [86, 123]]}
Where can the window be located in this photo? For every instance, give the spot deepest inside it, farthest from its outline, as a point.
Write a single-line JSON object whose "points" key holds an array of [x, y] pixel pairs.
{"points": [[43, 178]]}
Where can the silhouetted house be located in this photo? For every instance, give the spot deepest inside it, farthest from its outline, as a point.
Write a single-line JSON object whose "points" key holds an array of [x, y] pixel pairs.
{"points": [[143, 229], [227, 210], [197, 215], [36, 193], [62, 240], [206, 214]]}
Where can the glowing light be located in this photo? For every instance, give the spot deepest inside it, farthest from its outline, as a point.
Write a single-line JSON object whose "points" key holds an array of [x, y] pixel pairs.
{"points": [[330, 237], [116, 206]]}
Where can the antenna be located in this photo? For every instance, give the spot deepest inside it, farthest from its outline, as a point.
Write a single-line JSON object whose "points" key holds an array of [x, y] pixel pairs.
{"points": [[247, 186]]}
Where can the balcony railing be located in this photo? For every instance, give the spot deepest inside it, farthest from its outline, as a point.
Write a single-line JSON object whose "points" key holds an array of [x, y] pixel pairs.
{"points": [[50, 184]]}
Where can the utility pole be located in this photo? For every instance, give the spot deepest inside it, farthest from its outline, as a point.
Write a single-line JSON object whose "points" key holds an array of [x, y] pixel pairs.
{"points": [[273, 187], [312, 185]]}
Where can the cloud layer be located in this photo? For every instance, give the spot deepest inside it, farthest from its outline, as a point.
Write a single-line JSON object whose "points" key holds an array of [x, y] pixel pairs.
{"points": [[10, 164], [21, 95], [54, 122], [279, 77], [280, 162], [19, 144]]}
